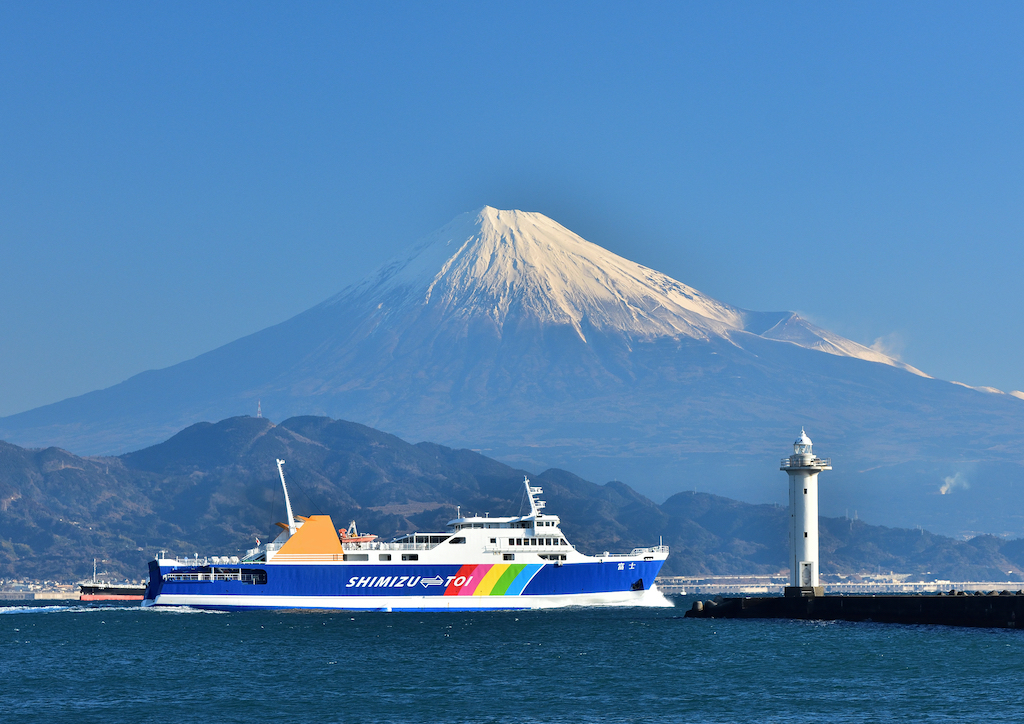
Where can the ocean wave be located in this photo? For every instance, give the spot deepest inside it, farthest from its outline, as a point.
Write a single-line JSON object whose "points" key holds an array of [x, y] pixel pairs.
{"points": [[179, 609], [34, 609], [88, 608]]}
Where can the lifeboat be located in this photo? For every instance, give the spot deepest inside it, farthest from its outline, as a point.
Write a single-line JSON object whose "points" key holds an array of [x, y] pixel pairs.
{"points": [[351, 535]]}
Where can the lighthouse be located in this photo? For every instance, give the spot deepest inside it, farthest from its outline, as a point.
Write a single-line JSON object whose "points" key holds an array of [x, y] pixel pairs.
{"points": [[803, 468]]}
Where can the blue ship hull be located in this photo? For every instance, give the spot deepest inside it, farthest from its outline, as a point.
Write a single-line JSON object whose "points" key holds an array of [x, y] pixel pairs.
{"points": [[401, 586]]}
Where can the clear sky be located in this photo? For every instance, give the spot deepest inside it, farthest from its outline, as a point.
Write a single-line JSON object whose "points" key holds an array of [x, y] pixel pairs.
{"points": [[174, 176]]}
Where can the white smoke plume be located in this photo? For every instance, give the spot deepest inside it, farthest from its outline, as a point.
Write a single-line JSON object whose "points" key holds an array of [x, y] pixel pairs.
{"points": [[891, 344], [953, 481]]}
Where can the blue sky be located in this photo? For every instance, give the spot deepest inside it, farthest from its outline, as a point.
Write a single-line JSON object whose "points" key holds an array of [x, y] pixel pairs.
{"points": [[174, 176]]}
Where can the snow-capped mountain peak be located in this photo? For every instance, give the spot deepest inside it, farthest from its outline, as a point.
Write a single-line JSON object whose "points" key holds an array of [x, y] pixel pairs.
{"points": [[518, 265]]}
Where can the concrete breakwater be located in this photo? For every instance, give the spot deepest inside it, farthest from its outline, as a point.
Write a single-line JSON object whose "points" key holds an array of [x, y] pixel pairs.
{"points": [[957, 608]]}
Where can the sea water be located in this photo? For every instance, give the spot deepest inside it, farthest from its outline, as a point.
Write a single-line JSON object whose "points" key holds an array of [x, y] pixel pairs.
{"points": [[120, 663]]}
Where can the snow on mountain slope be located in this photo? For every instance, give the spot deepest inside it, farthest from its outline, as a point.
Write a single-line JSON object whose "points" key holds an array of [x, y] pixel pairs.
{"points": [[515, 264], [793, 328], [518, 264]]}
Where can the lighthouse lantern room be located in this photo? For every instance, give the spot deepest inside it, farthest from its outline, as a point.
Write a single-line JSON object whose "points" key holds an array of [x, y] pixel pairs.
{"points": [[803, 468]]}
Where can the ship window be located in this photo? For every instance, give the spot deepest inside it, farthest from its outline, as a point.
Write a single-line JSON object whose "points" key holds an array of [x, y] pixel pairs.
{"points": [[562, 541], [357, 556], [410, 556], [494, 540], [519, 541], [385, 556], [453, 541], [805, 491], [511, 541], [805, 535], [509, 556], [533, 541]]}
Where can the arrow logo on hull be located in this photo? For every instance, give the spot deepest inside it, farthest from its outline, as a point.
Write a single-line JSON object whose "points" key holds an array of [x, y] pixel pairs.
{"points": [[435, 581]]}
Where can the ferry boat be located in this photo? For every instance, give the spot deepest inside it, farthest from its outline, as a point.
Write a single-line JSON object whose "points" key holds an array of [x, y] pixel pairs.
{"points": [[477, 563]]}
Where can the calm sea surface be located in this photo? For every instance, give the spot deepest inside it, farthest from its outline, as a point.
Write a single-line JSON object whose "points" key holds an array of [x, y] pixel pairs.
{"points": [[107, 663]]}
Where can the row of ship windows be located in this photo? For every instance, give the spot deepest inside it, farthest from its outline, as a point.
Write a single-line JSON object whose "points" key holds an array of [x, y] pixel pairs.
{"points": [[380, 556], [517, 524], [535, 541], [546, 556], [511, 542]]}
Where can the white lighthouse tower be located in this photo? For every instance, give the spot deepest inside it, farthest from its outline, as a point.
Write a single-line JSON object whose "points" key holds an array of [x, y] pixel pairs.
{"points": [[803, 468]]}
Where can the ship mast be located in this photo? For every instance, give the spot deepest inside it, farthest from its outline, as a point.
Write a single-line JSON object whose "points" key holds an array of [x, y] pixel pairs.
{"points": [[531, 493], [287, 502]]}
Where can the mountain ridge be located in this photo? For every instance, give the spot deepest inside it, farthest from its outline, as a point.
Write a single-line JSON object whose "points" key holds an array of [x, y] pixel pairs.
{"points": [[213, 487], [666, 396]]}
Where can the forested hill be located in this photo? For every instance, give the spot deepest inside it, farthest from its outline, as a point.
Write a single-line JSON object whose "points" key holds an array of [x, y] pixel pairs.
{"points": [[213, 488]]}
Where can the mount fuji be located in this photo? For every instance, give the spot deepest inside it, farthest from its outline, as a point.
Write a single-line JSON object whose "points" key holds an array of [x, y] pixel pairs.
{"points": [[507, 333]]}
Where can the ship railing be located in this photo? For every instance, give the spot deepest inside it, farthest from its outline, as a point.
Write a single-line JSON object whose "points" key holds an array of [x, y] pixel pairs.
{"points": [[815, 463], [377, 546], [264, 549], [230, 574], [528, 549], [636, 552], [189, 560]]}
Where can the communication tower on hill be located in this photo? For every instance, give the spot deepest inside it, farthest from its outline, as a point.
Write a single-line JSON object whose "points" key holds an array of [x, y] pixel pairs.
{"points": [[803, 468]]}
